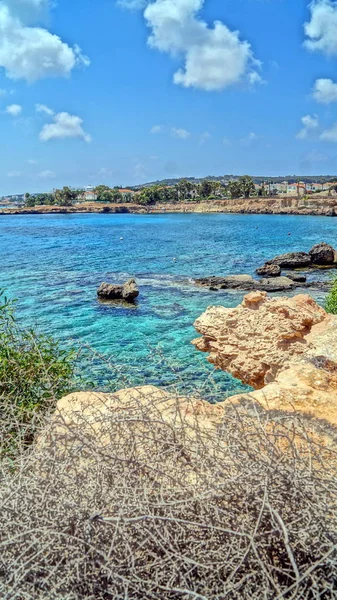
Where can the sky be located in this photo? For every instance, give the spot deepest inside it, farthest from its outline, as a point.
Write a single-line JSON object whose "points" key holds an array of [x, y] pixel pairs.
{"points": [[122, 92]]}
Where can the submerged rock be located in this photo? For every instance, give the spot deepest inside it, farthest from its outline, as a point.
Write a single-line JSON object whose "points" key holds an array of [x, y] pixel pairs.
{"points": [[269, 271], [322, 254], [291, 260], [112, 291]]}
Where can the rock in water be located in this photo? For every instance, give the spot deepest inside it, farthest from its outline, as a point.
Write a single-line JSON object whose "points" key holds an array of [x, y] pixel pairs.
{"points": [[276, 284], [113, 291], [322, 254], [269, 271], [291, 260], [130, 290]]}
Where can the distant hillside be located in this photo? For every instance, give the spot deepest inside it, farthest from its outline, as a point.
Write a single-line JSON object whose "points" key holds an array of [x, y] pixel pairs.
{"points": [[257, 179]]}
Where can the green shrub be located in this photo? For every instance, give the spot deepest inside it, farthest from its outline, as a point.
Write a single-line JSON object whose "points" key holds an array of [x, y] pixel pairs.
{"points": [[34, 373], [331, 301]]}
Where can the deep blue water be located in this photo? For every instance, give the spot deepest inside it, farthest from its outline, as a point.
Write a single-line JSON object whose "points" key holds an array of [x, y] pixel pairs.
{"points": [[53, 265]]}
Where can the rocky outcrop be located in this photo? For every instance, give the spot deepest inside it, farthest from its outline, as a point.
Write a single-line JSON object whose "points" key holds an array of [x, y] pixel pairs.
{"points": [[286, 348], [111, 291], [269, 271], [322, 254], [246, 283], [291, 260]]}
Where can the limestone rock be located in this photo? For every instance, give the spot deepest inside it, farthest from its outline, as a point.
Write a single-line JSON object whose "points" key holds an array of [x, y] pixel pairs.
{"points": [[291, 260], [112, 291], [256, 340], [269, 271], [322, 254]]}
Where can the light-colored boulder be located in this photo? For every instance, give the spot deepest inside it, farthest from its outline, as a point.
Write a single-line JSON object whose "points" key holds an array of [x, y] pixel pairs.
{"points": [[286, 348]]}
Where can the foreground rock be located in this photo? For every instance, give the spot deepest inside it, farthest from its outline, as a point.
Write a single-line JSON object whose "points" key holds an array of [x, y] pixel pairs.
{"points": [[286, 348], [110, 291], [322, 254]]}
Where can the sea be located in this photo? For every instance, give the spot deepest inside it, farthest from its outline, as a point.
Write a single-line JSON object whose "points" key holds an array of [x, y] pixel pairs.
{"points": [[52, 266]]}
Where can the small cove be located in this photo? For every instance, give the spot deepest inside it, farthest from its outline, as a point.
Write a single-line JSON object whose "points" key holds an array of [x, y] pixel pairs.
{"points": [[53, 264]]}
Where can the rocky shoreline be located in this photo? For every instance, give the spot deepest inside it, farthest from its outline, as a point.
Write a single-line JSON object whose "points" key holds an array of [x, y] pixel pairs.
{"points": [[314, 206], [321, 256]]}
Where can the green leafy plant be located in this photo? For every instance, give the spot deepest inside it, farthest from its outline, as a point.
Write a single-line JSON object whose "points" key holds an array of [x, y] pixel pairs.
{"points": [[331, 301], [34, 373]]}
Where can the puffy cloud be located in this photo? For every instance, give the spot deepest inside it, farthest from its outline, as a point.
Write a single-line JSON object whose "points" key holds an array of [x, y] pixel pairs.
{"points": [[183, 134], [215, 57], [64, 126], [330, 135], [309, 124], [47, 174], [322, 28], [325, 91], [32, 53], [42, 108], [14, 110], [156, 129], [14, 174]]}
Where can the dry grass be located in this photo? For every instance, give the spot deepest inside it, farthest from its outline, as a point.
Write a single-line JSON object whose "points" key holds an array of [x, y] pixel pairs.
{"points": [[155, 500]]}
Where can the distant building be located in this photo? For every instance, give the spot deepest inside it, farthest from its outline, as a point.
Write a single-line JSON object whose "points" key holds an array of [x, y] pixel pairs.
{"points": [[89, 196]]}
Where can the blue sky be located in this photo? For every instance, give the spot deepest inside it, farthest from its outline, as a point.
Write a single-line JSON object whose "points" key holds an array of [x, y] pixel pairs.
{"points": [[101, 91]]}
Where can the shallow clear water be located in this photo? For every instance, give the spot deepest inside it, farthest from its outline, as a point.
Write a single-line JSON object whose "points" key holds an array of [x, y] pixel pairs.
{"points": [[53, 265]]}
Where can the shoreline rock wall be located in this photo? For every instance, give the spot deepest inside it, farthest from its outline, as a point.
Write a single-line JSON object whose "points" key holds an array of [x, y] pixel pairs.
{"points": [[319, 206]]}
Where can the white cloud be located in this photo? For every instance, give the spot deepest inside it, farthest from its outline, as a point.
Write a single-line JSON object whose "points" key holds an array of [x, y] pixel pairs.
{"points": [[132, 4], [214, 56], [103, 172], [183, 134], [330, 135], [42, 108], [32, 53], [249, 139], [325, 91], [226, 142], [32, 161], [204, 137], [309, 124], [14, 174], [14, 110], [322, 28], [156, 129], [64, 126], [47, 174]]}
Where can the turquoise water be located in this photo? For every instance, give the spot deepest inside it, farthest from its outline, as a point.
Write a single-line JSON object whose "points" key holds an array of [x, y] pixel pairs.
{"points": [[53, 265]]}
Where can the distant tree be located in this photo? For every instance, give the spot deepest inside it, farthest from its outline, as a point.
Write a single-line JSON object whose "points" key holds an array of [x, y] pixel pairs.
{"points": [[65, 197], [30, 201], [235, 189], [206, 188], [247, 186], [99, 190]]}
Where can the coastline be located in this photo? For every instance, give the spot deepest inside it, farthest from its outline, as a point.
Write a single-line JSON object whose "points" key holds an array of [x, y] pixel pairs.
{"points": [[316, 206]]}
